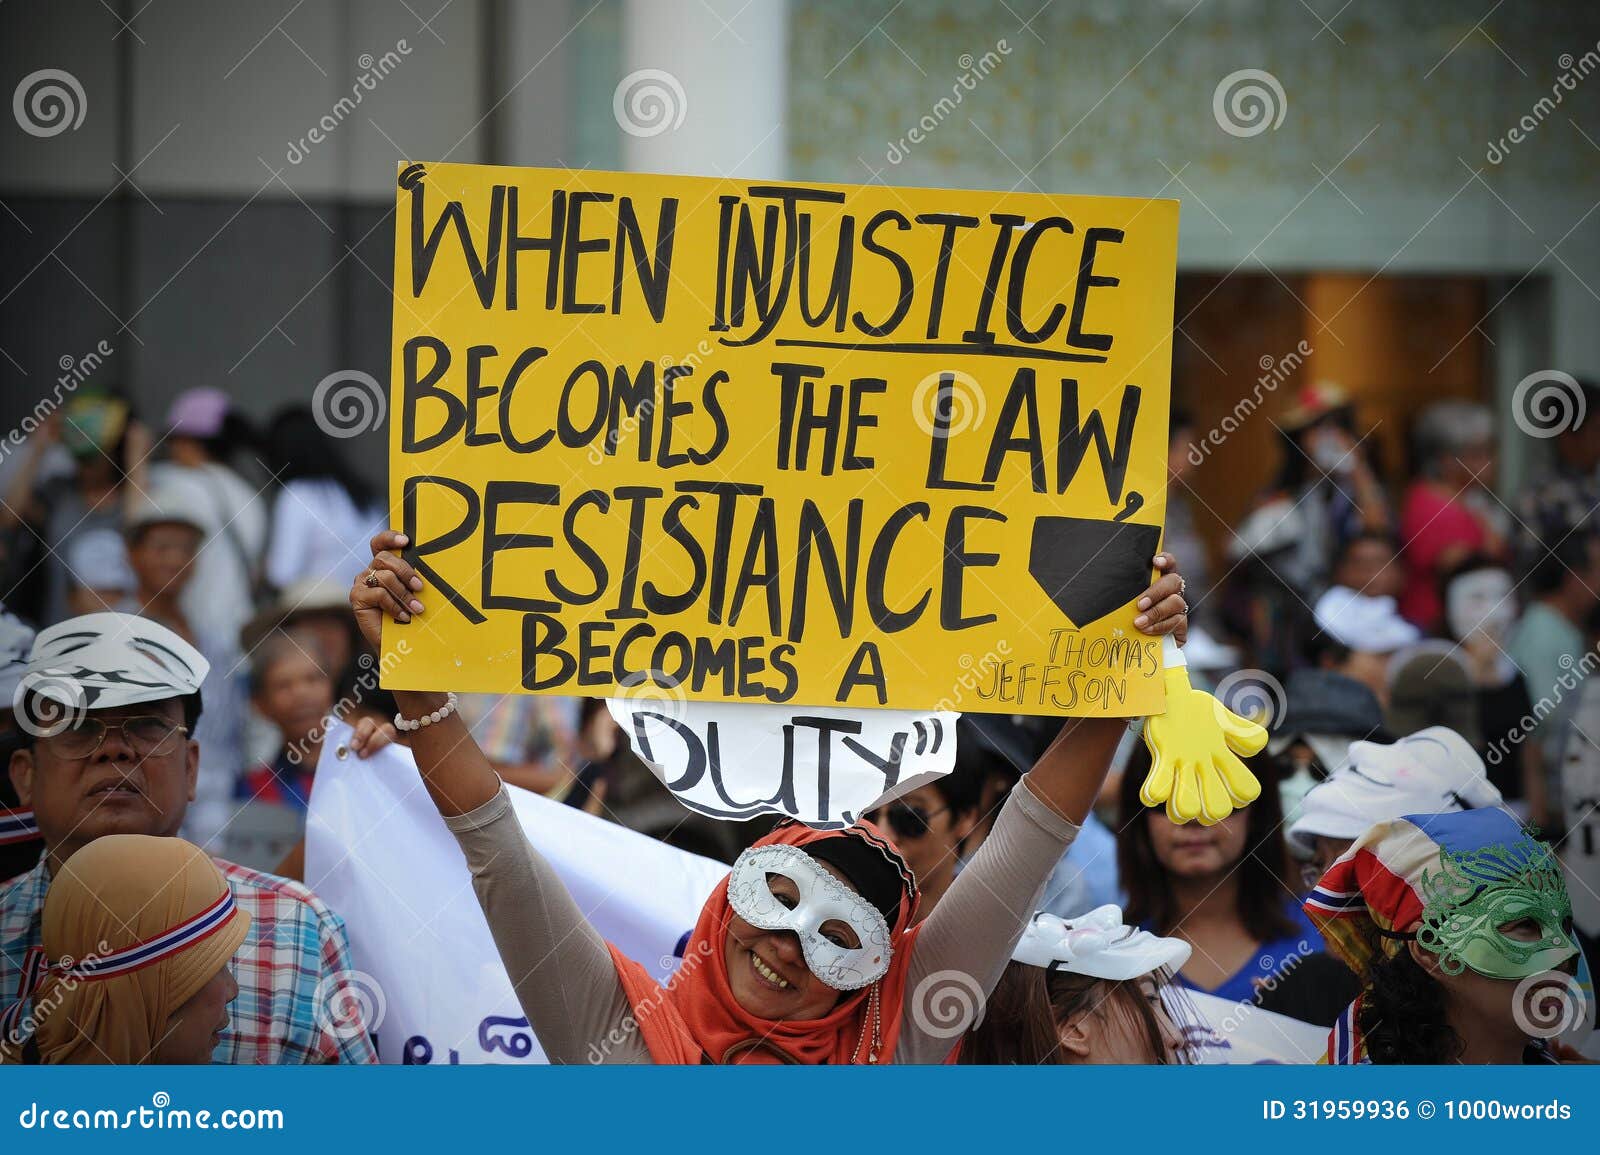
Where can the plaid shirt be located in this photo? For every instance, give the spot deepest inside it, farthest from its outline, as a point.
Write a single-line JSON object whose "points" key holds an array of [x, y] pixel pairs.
{"points": [[293, 963]]}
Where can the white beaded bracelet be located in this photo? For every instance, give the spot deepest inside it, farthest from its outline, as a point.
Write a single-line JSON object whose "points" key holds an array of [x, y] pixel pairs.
{"points": [[438, 715]]}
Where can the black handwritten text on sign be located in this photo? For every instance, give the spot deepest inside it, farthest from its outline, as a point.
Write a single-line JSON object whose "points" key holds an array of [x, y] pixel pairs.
{"points": [[811, 445]]}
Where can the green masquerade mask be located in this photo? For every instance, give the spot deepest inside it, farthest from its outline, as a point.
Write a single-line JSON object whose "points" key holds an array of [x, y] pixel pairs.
{"points": [[1474, 893]]}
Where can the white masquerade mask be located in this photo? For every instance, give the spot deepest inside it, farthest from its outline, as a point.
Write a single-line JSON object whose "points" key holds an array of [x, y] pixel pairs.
{"points": [[1097, 944], [822, 899], [1481, 600]]}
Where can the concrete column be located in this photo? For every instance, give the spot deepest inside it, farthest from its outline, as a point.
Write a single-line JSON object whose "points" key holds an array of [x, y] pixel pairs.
{"points": [[703, 89]]}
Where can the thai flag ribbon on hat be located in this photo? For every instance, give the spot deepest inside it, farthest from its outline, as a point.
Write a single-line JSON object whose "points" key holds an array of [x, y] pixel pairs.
{"points": [[124, 960]]}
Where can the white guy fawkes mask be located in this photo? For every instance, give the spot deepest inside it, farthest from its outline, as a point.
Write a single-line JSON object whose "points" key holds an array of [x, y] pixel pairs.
{"points": [[1097, 944], [823, 903], [1482, 600]]}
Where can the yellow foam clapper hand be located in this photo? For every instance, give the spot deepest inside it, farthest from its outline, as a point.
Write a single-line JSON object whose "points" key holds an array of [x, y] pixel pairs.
{"points": [[1195, 751]]}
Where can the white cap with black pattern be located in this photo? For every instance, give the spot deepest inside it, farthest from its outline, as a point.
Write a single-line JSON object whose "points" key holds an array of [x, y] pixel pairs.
{"points": [[98, 661], [16, 640]]}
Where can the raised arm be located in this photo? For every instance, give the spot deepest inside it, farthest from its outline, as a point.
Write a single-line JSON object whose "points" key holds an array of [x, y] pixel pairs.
{"points": [[966, 941], [19, 503], [454, 770], [559, 965]]}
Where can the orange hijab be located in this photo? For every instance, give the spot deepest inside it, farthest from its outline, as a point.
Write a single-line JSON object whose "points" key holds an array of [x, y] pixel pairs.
{"points": [[133, 927], [696, 1019]]}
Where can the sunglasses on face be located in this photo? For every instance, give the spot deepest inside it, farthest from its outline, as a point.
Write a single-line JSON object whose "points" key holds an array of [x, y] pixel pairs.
{"points": [[908, 821], [145, 734]]}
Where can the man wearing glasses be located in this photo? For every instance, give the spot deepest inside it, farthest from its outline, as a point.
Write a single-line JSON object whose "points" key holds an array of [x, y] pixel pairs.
{"points": [[107, 708]]}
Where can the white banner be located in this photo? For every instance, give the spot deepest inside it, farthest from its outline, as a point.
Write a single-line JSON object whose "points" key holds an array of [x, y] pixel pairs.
{"points": [[1243, 1033], [433, 989], [1580, 803], [824, 766]]}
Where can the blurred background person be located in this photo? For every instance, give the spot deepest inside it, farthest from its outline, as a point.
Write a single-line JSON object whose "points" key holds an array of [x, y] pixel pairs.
{"points": [[98, 575], [1480, 614], [1358, 636], [204, 434], [1369, 564], [290, 688], [530, 739], [1449, 509], [1430, 684], [323, 511], [1551, 642], [1085, 990], [163, 539], [20, 844], [1564, 493], [318, 608], [1327, 492], [1323, 714], [111, 999], [93, 426]]}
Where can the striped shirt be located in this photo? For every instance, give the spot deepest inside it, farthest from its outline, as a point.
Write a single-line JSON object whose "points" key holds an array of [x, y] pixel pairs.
{"points": [[291, 969]]}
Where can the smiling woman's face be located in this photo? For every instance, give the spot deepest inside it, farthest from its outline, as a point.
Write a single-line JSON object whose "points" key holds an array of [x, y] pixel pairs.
{"points": [[766, 968]]}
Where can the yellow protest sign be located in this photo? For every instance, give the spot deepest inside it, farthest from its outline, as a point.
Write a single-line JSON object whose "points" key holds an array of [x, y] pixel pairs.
{"points": [[780, 443]]}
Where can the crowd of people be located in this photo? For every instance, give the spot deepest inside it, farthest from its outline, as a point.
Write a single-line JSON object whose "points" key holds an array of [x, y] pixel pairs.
{"points": [[193, 600]]}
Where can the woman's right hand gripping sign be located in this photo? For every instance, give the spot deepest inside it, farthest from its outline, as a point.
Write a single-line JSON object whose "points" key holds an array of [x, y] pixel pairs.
{"points": [[1195, 751]]}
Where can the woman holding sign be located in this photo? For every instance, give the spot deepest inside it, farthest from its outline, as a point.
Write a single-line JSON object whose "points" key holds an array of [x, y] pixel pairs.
{"points": [[809, 952]]}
